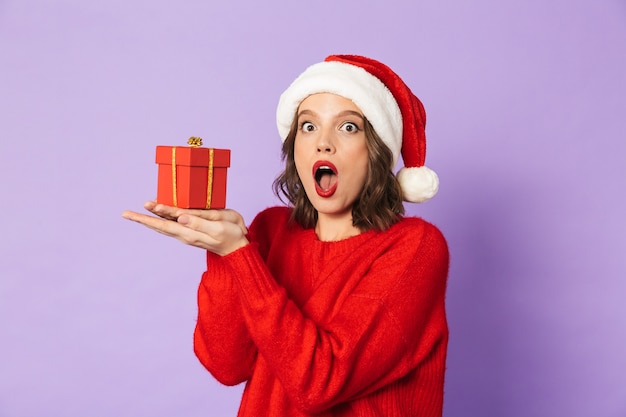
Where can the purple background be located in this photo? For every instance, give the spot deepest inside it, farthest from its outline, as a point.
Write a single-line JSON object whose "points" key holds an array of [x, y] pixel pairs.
{"points": [[526, 104]]}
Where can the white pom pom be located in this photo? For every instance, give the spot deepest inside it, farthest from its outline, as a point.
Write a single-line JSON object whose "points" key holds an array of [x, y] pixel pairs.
{"points": [[418, 184]]}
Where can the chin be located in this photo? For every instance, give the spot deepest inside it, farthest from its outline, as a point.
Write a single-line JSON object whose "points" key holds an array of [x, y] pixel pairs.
{"points": [[331, 208]]}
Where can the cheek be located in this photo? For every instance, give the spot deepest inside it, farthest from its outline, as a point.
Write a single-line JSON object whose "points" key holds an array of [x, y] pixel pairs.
{"points": [[360, 158], [299, 159]]}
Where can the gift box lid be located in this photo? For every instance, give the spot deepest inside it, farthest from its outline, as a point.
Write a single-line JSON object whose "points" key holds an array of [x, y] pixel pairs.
{"points": [[192, 156]]}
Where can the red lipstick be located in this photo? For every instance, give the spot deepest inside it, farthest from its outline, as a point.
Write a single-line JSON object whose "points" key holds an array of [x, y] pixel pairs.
{"points": [[325, 176]]}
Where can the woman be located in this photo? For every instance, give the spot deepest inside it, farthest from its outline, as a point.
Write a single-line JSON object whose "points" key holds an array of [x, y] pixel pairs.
{"points": [[334, 305]]}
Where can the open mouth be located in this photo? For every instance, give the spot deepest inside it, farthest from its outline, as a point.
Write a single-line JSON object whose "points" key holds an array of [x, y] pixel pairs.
{"points": [[325, 175]]}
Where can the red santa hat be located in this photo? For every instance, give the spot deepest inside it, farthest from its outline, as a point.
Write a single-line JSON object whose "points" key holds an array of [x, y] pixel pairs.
{"points": [[396, 114]]}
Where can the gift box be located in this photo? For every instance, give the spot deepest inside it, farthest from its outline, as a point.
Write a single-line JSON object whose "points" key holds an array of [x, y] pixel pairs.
{"points": [[192, 176]]}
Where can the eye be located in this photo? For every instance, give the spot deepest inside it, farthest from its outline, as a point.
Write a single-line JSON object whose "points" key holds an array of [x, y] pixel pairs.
{"points": [[307, 127], [350, 127]]}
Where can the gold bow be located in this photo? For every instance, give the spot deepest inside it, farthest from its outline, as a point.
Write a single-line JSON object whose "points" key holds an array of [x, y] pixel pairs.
{"points": [[194, 142]]}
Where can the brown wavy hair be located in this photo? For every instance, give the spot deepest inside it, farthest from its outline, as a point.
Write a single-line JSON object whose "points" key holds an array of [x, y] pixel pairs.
{"points": [[378, 207]]}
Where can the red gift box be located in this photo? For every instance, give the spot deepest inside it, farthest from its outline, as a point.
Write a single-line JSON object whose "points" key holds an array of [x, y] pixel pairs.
{"points": [[192, 177]]}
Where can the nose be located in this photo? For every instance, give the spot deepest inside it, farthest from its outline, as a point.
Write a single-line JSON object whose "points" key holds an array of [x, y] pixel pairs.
{"points": [[325, 143]]}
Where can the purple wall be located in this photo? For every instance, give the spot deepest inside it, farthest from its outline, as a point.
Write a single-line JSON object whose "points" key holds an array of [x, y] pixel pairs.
{"points": [[526, 107]]}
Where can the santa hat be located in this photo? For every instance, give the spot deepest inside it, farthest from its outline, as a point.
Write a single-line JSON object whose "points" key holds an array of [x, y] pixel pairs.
{"points": [[397, 115]]}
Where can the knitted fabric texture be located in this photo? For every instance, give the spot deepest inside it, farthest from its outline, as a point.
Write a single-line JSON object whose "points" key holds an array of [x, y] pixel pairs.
{"points": [[349, 328]]}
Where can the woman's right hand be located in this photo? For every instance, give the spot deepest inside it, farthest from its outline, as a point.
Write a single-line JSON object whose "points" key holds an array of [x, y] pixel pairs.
{"points": [[220, 231]]}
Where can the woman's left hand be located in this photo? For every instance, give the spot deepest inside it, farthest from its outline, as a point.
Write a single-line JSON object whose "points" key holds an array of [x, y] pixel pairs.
{"points": [[218, 231]]}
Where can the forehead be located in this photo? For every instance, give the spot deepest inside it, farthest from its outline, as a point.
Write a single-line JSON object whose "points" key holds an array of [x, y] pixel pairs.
{"points": [[328, 102]]}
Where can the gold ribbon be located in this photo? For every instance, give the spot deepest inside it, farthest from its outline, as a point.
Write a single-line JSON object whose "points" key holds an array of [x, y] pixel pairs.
{"points": [[209, 189], [174, 198]]}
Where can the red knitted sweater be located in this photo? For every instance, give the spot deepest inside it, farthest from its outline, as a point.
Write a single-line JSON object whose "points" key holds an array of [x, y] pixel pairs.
{"points": [[349, 328]]}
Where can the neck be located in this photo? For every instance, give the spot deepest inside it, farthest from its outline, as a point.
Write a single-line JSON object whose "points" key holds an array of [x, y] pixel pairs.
{"points": [[333, 228]]}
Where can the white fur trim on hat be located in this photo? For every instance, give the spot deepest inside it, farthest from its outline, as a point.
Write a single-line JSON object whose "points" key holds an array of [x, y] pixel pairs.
{"points": [[419, 184], [366, 91]]}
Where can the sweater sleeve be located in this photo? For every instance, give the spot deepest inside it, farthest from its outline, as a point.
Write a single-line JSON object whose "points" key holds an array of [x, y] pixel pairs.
{"points": [[389, 325], [222, 342], [221, 339]]}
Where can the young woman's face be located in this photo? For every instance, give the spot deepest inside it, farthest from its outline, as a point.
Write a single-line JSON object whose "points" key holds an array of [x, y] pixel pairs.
{"points": [[330, 152]]}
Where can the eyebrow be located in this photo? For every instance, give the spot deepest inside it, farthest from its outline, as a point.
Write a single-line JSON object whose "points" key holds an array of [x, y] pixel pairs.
{"points": [[340, 114]]}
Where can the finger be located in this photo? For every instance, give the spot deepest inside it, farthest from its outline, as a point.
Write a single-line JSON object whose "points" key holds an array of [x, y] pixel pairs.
{"points": [[221, 237], [173, 213], [235, 217], [172, 229], [155, 223], [162, 210], [226, 215]]}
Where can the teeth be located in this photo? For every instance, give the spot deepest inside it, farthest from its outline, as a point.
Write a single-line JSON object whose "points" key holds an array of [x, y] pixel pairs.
{"points": [[325, 168]]}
